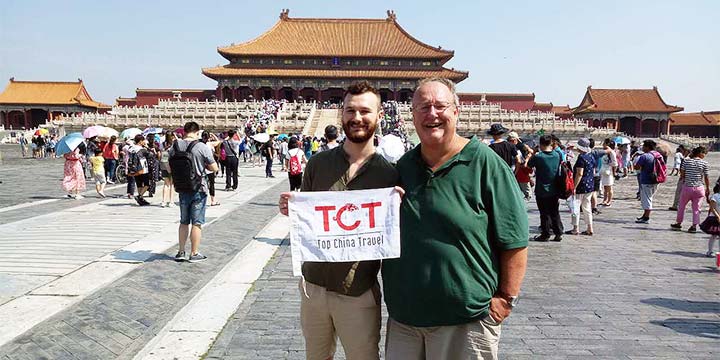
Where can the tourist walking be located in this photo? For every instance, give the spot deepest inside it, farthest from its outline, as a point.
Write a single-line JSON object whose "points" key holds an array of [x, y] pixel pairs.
{"points": [[296, 164], [153, 161], [231, 147], [190, 161], [168, 189], [678, 186], [694, 173], [73, 174], [331, 135], [647, 178], [583, 171], [110, 154], [138, 168], [97, 163], [268, 152], [22, 141], [546, 163], [609, 168], [711, 225], [506, 150]]}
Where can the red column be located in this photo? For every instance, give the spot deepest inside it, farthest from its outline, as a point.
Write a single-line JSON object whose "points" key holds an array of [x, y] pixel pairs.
{"points": [[638, 126], [319, 96], [28, 117], [277, 93]]}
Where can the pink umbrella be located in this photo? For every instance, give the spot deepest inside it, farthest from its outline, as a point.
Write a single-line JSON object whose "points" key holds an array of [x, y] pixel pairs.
{"points": [[92, 131]]}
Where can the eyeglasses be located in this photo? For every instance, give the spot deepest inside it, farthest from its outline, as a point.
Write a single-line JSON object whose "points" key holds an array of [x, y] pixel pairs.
{"points": [[439, 108]]}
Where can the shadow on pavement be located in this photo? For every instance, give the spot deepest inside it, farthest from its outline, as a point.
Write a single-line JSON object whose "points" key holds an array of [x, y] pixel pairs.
{"points": [[142, 255], [695, 327], [689, 254], [710, 307], [263, 204], [705, 270]]}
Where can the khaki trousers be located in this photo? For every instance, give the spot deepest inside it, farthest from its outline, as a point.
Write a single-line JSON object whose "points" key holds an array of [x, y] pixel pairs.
{"points": [[475, 340], [326, 315]]}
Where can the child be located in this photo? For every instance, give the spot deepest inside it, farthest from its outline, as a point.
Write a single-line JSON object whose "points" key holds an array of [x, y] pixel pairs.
{"points": [[522, 175], [678, 160], [98, 169], [711, 225]]}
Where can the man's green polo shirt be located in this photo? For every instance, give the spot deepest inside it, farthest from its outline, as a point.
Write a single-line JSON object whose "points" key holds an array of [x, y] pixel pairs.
{"points": [[328, 171], [453, 222]]}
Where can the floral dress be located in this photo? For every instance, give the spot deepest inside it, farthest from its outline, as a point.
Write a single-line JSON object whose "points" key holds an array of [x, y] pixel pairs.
{"points": [[74, 176]]}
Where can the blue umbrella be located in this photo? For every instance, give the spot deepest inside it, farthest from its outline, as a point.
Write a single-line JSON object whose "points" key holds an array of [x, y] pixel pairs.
{"points": [[282, 136], [621, 140], [152, 130], [69, 143]]}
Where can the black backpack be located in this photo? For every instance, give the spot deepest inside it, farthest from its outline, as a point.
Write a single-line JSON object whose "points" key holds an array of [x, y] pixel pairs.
{"points": [[185, 178]]}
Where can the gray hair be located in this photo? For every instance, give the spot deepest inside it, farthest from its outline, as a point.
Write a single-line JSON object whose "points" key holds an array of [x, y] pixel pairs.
{"points": [[447, 82]]}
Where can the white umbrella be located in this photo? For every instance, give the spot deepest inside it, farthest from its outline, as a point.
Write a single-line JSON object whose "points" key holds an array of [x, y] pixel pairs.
{"points": [[261, 137], [391, 148]]}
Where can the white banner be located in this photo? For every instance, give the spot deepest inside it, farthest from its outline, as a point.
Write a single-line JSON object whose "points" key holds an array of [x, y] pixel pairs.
{"points": [[337, 226]]}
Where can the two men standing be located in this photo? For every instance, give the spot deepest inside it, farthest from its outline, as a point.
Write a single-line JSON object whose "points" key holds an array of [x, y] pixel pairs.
{"points": [[464, 236]]}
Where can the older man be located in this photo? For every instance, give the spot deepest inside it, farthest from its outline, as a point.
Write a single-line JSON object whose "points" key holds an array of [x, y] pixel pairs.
{"points": [[464, 234]]}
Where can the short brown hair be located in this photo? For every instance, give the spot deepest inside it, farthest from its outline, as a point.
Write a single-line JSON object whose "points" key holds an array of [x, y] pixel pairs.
{"points": [[362, 87]]}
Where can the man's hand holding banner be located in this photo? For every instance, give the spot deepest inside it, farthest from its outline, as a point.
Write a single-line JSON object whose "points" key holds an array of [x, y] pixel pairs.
{"points": [[338, 226]]}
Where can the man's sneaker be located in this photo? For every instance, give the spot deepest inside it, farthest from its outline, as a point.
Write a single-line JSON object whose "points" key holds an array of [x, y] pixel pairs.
{"points": [[642, 220], [710, 254], [102, 195], [111, 182], [595, 211], [676, 226], [557, 238], [692, 229], [180, 256], [672, 208], [162, 204], [197, 258]]}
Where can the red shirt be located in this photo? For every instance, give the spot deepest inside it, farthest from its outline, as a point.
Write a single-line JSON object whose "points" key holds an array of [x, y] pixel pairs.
{"points": [[522, 174]]}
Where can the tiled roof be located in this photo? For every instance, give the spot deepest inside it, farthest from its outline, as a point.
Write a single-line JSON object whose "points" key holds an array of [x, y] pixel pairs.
{"points": [[137, 90], [228, 71], [624, 100], [696, 118], [376, 38], [565, 109], [542, 106], [47, 93]]}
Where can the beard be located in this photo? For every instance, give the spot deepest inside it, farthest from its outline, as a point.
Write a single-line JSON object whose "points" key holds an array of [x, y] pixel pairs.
{"points": [[359, 138]]}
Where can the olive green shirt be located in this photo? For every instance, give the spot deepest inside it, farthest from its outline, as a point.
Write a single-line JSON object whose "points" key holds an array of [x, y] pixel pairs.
{"points": [[453, 223], [328, 171]]}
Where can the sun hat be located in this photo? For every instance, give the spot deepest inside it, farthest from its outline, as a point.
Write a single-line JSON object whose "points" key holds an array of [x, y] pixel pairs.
{"points": [[497, 129]]}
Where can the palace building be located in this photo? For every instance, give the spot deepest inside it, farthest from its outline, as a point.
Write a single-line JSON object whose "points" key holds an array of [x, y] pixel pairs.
{"points": [[636, 112], [316, 59], [28, 104]]}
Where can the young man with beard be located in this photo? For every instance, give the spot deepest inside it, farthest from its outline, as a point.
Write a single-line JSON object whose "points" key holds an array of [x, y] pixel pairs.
{"points": [[343, 299]]}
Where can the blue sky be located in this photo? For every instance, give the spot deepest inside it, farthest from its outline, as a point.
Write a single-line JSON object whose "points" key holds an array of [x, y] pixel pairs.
{"points": [[552, 48]]}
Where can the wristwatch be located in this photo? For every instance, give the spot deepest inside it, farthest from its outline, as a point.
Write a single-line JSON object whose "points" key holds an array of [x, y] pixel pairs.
{"points": [[512, 300]]}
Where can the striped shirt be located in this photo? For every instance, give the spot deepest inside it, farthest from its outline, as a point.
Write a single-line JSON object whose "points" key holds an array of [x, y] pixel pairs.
{"points": [[696, 170]]}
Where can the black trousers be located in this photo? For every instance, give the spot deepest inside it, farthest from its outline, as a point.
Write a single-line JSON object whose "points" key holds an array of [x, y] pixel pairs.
{"points": [[268, 166], [549, 208], [231, 172]]}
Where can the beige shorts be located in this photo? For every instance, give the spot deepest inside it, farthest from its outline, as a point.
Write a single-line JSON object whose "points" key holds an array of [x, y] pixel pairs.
{"points": [[326, 315], [475, 340]]}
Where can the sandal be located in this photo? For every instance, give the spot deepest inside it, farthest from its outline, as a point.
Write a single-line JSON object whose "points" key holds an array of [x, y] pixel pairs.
{"points": [[215, 204], [572, 232], [586, 233]]}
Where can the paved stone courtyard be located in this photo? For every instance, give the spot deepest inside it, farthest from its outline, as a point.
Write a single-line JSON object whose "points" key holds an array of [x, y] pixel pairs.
{"points": [[629, 292]]}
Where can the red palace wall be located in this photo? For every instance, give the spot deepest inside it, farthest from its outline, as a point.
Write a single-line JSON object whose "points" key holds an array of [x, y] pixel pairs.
{"points": [[696, 130], [507, 102]]}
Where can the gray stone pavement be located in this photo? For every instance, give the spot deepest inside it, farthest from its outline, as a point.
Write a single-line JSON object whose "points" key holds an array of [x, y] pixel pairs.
{"points": [[629, 292], [118, 320]]}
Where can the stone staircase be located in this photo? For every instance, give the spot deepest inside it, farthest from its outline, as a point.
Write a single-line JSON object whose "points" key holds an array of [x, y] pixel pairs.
{"points": [[321, 119]]}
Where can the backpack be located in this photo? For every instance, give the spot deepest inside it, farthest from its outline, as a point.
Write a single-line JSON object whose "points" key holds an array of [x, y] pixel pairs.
{"points": [[135, 164], [564, 180], [295, 166], [659, 174], [185, 178]]}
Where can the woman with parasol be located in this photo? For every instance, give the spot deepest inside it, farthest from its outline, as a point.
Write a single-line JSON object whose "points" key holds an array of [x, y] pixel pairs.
{"points": [[73, 174]]}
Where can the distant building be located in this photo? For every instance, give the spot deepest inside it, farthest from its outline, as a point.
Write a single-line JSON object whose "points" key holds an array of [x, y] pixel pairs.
{"points": [[317, 59], [150, 97], [637, 112], [697, 124], [28, 104], [507, 101]]}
